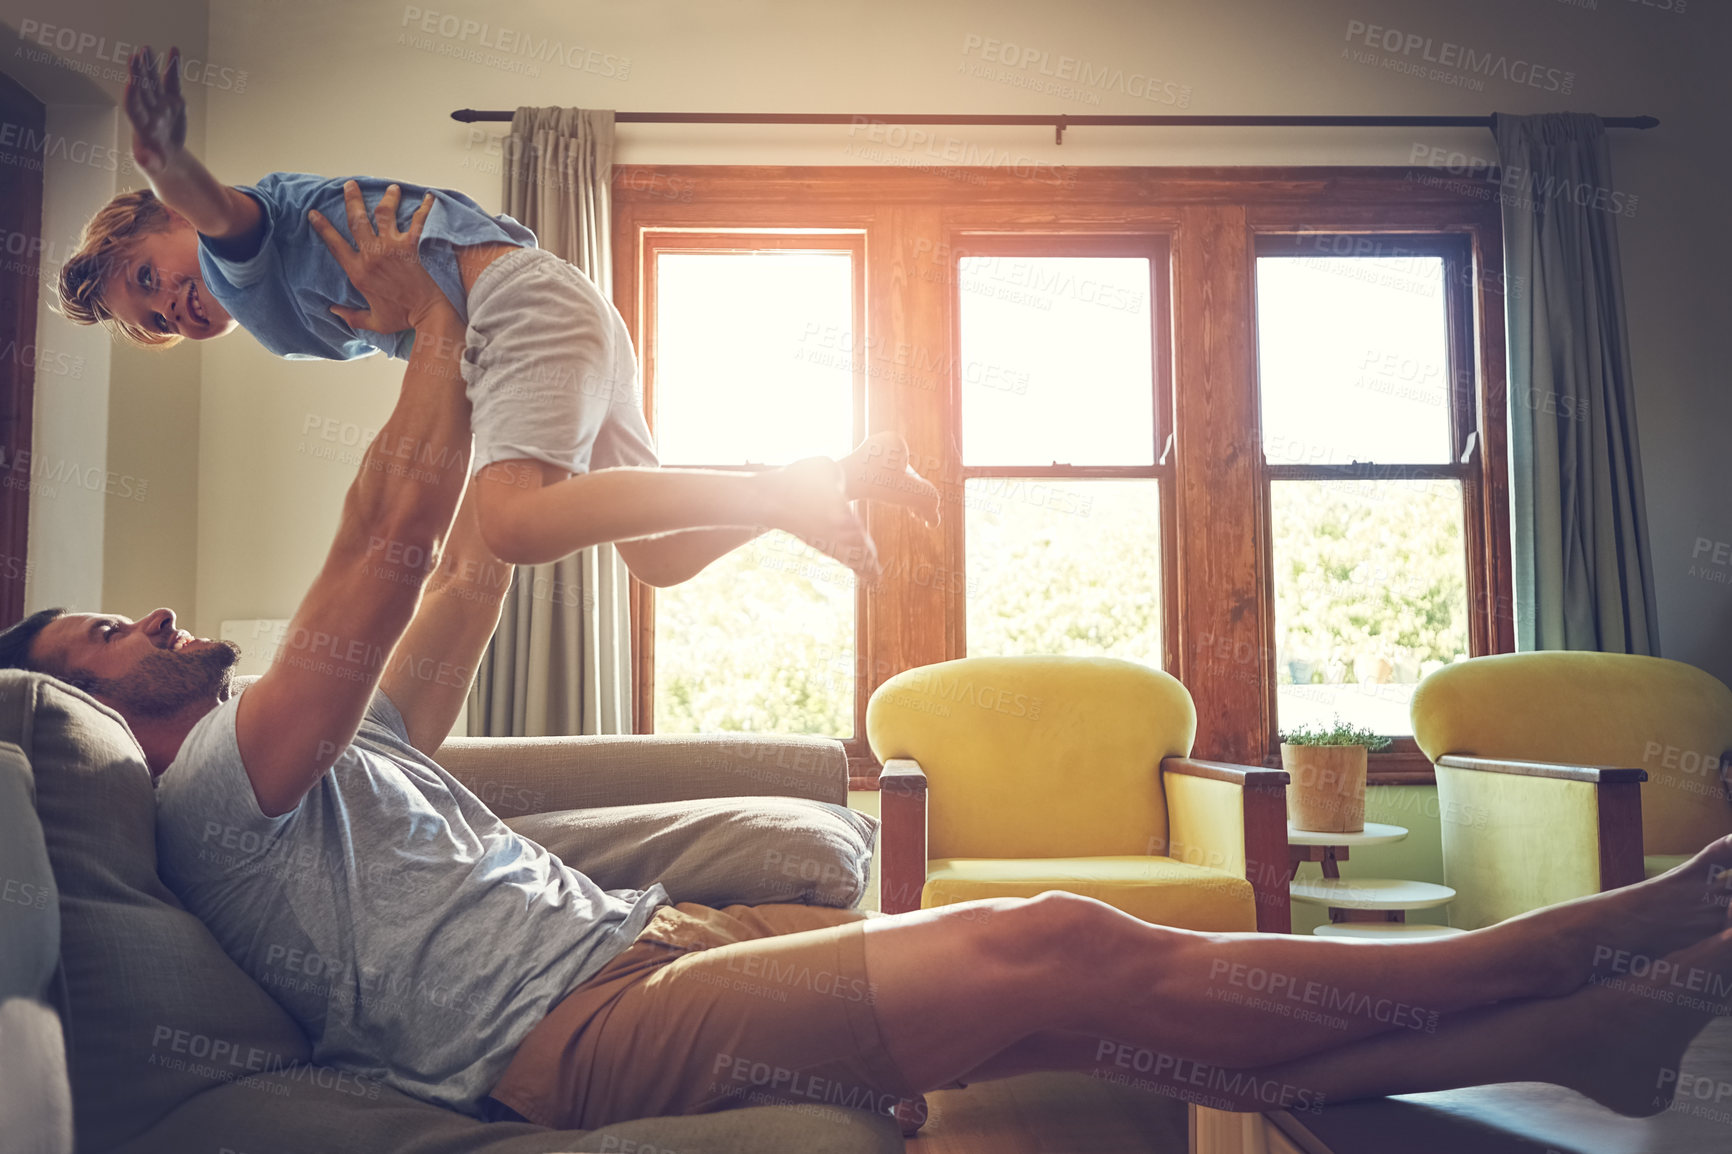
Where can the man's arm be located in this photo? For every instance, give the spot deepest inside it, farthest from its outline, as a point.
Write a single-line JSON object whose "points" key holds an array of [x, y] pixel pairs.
{"points": [[157, 111], [295, 721], [435, 663]]}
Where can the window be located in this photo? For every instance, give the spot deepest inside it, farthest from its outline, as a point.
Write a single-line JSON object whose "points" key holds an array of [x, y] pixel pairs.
{"points": [[751, 365], [1243, 426], [1368, 441], [1060, 392]]}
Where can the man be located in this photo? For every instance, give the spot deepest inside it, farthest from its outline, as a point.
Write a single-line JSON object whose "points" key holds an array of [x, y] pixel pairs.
{"points": [[464, 964]]}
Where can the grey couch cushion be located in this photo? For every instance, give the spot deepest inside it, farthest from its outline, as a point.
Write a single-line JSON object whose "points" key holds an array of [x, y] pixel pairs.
{"points": [[146, 984], [29, 905], [717, 851]]}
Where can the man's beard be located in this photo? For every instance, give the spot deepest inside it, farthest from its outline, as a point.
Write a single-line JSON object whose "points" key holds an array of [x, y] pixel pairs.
{"points": [[167, 681]]}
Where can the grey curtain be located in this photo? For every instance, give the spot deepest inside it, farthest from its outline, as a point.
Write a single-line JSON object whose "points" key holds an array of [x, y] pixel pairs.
{"points": [[1583, 569], [560, 661]]}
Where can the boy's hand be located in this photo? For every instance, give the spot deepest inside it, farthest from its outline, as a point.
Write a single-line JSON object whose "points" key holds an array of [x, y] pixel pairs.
{"points": [[810, 500], [880, 470], [383, 263], [157, 110]]}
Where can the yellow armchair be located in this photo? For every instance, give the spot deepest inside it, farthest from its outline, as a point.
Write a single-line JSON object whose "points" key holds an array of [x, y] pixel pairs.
{"points": [[1008, 776], [1561, 774]]}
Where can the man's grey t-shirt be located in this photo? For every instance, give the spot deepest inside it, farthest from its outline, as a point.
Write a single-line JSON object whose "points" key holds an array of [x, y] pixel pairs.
{"points": [[415, 938]]}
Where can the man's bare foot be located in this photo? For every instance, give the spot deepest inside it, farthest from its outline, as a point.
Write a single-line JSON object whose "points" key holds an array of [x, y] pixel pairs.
{"points": [[1621, 1039], [880, 470], [1606, 934]]}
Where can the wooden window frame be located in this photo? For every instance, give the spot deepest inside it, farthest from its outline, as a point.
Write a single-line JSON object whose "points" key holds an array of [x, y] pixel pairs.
{"points": [[1216, 580]]}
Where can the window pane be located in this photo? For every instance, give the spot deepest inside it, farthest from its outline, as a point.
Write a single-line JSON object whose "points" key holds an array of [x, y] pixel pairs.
{"points": [[762, 641], [746, 364], [753, 365], [1353, 360], [1056, 361], [1069, 567], [1370, 596]]}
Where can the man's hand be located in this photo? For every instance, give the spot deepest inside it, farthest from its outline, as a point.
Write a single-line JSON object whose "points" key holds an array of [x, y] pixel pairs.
{"points": [[879, 470], [157, 111], [383, 264], [810, 500]]}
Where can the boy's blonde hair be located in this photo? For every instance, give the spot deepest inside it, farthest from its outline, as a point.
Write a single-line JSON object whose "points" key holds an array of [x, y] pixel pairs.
{"points": [[108, 243]]}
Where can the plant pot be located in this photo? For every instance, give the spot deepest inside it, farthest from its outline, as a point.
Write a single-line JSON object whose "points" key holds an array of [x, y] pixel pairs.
{"points": [[1327, 790]]}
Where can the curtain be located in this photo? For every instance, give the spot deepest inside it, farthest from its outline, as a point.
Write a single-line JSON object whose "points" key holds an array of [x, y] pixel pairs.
{"points": [[1582, 563], [560, 661]]}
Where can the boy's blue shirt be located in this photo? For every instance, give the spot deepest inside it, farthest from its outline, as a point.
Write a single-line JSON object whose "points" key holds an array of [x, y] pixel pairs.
{"points": [[283, 293]]}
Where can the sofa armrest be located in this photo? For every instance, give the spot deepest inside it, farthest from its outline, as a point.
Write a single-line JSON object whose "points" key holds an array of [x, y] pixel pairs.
{"points": [[523, 775], [902, 836], [1233, 817]]}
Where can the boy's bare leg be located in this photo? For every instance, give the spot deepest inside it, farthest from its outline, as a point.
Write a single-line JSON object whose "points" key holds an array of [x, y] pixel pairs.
{"points": [[957, 987], [532, 513], [679, 520]]}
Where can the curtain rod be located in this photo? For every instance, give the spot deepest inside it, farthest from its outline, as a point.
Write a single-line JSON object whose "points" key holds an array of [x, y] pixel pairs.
{"points": [[1058, 123]]}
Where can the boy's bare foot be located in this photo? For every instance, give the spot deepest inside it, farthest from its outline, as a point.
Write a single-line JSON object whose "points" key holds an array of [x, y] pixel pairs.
{"points": [[880, 470], [1606, 934], [1621, 1039], [810, 501]]}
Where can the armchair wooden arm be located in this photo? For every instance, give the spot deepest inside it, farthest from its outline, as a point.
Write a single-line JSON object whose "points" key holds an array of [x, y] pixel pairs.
{"points": [[1618, 804], [1519, 835], [902, 868], [1596, 774], [1258, 846]]}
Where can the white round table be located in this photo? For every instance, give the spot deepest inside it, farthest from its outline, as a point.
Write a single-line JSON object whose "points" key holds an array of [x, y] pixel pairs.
{"points": [[1374, 833], [1371, 893]]}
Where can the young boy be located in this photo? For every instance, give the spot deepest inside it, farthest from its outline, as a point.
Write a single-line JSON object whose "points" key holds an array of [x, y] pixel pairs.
{"points": [[548, 363]]}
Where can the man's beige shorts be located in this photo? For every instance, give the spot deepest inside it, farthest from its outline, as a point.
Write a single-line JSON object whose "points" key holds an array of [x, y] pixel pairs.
{"points": [[710, 1009]]}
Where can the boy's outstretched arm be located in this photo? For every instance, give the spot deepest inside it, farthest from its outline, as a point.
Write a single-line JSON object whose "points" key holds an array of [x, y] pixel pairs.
{"points": [[157, 110]]}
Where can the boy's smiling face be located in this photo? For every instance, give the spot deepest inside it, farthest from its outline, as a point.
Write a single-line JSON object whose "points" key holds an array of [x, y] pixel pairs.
{"points": [[159, 288]]}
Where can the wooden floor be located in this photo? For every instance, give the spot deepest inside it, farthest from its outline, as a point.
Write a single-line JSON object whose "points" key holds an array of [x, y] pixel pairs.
{"points": [[1051, 1114]]}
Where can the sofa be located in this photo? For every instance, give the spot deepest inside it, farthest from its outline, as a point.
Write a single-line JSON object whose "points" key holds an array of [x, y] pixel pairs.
{"points": [[171, 1049]]}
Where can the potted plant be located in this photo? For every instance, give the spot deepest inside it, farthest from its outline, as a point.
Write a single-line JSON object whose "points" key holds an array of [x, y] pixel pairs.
{"points": [[1326, 764]]}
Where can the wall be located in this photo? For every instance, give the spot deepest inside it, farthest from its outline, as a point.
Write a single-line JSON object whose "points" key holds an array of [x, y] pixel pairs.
{"points": [[113, 517], [69, 434]]}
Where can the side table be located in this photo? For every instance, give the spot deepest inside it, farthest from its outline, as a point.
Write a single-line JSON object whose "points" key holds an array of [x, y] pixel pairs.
{"points": [[1362, 908]]}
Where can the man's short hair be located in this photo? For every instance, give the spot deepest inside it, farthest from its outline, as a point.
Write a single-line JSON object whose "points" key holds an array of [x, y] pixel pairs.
{"points": [[108, 244], [16, 640]]}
